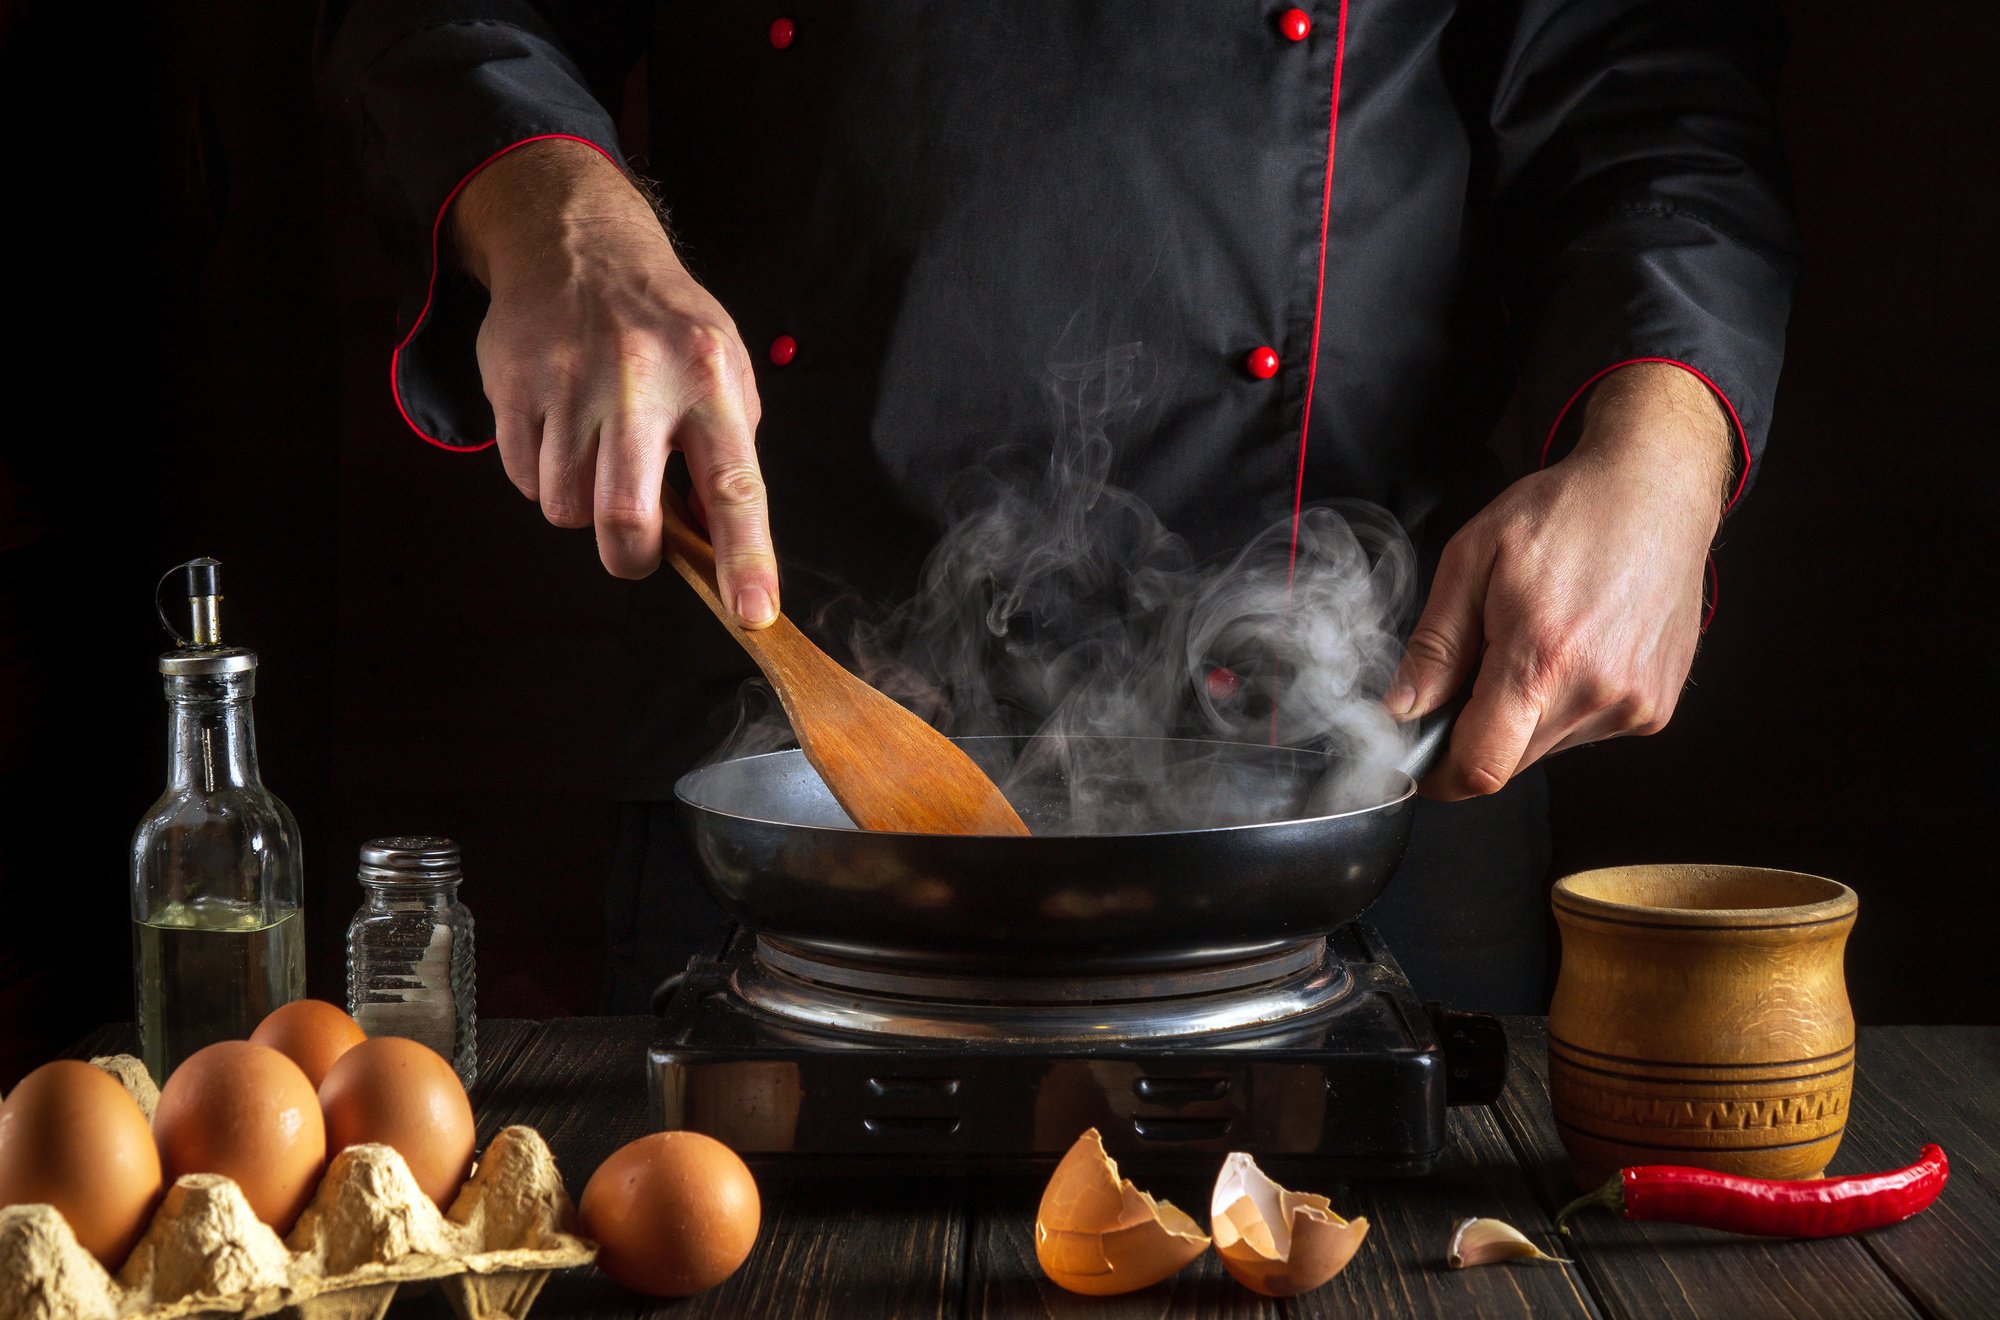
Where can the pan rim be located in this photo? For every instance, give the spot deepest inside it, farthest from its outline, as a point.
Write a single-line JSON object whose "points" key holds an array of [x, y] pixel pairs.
{"points": [[681, 797]]}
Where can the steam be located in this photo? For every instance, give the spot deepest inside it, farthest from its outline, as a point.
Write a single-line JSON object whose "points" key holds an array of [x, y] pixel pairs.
{"points": [[1058, 605]]}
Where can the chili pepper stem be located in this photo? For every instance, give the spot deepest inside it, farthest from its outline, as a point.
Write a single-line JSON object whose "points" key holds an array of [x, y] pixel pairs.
{"points": [[1611, 1196]]}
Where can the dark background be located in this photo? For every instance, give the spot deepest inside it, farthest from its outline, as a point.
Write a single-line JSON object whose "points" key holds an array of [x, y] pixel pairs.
{"points": [[203, 323]]}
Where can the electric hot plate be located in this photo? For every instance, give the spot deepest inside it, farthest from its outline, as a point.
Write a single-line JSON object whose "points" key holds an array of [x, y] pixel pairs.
{"points": [[1318, 1053]]}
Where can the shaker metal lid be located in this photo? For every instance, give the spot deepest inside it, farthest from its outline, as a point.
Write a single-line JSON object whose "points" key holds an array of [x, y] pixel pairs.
{"points": [[208, 660], [410, 857]]}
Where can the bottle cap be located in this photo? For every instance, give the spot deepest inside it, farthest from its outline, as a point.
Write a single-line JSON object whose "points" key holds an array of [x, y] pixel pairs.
{"points": [[225, 660], [410, 859], [203, 653]]}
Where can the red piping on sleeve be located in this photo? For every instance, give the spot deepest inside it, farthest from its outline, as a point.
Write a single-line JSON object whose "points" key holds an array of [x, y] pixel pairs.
{"points": [[1714, 593], [1742, 436], [1319, 299], [430, 290]]}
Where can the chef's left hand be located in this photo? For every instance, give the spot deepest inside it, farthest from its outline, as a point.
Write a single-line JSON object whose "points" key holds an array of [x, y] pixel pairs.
{"points": [[1578, 592]]}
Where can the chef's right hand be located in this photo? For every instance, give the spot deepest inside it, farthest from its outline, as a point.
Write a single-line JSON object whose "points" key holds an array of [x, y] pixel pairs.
{"points": [[601, 355]]}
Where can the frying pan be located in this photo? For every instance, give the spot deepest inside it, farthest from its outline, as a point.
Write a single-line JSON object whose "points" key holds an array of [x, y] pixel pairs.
{"points": [[781, 858]]}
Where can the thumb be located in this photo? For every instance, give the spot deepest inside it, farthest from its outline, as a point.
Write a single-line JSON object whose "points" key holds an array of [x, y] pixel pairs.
{"points": [[1445, 644]]}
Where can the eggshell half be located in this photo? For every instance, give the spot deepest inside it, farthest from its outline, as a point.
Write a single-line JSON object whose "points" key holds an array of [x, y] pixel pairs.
{"points": [[1276, 1242], [1097, 1234]]}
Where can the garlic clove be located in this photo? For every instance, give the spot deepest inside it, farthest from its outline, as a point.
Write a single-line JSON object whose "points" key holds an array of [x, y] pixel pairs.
{"points": [[1097, 1234], [1490, 1242], [1275, 1241]]}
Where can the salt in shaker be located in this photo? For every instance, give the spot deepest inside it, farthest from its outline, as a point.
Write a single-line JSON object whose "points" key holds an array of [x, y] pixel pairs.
{"points": [[409, 949]]}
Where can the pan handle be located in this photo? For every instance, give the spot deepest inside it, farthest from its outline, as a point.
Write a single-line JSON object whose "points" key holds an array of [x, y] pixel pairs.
{"points": [[1433, 736]]}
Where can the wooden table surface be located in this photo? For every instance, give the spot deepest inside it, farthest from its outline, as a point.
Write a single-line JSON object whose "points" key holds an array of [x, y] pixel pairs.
{"points": [[851, 1249]]}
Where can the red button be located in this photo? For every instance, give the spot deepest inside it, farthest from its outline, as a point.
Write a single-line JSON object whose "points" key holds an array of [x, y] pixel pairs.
{"points": [[784, 348], [783, 30], [1295, 24], [1262, 362]]}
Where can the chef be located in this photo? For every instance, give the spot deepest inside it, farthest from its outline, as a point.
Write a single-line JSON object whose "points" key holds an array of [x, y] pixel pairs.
{"points": [[1517, 272]]}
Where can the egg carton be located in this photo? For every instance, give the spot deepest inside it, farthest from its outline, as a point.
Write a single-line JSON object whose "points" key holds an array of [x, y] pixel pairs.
{"points": [[368, 1231]]}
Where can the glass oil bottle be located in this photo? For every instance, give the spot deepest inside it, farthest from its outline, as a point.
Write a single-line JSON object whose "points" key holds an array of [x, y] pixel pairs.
{"points": [[216, 884]]}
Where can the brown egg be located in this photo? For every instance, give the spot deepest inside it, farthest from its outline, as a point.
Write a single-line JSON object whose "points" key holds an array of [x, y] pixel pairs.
{"points": [[672, 1213], [247, 1112], [72, 1138], [402, 1094], [311, 1033]]}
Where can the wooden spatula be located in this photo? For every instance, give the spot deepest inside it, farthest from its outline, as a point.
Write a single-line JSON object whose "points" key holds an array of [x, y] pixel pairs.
{"points": [[886, 767]]}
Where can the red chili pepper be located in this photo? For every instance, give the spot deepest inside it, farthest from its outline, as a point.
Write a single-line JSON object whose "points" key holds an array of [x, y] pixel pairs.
{"points": [[1826, 1207]]}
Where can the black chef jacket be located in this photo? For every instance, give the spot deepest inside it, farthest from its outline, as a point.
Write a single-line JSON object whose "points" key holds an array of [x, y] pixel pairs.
{"points": [[1369, 248]]}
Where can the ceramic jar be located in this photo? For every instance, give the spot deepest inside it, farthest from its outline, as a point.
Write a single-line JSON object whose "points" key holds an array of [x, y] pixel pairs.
{"points": [[1701, 1017]]}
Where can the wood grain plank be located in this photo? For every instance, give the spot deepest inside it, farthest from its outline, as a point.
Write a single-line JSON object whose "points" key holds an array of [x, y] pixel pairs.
{"points": [[1399, 1270], [827, 1250], [938, 1248], [1948, 1075], [1914, 1086], [501, 1042], [1671, 1270]]}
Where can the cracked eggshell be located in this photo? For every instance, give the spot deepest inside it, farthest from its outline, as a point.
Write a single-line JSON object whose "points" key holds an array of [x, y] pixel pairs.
{"points": [[1097, 1234], [1274, 1241]]}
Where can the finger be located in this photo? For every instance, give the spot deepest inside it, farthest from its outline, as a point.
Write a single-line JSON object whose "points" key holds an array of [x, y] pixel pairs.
{"points": [[723, 471], [1633, 718], [1491, 736], [1584, 738], [518, 436], [1445, 644], [567, 467], [631, 467], [697, 495]]}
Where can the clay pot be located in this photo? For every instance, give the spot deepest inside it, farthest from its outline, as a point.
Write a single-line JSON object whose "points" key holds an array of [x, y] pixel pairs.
{"points": [[1701, 1017]]}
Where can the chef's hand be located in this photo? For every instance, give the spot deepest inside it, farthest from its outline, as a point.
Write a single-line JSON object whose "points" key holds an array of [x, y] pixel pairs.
{"points": [[601, 355], [1577, 593]]}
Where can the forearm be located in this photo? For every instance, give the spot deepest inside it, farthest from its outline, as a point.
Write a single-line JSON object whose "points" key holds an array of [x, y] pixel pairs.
{"points": [[1661, 424], [540, 199]]}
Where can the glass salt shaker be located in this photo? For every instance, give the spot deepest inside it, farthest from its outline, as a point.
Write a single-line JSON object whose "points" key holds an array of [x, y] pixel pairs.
{"points": [[409, 949]]}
